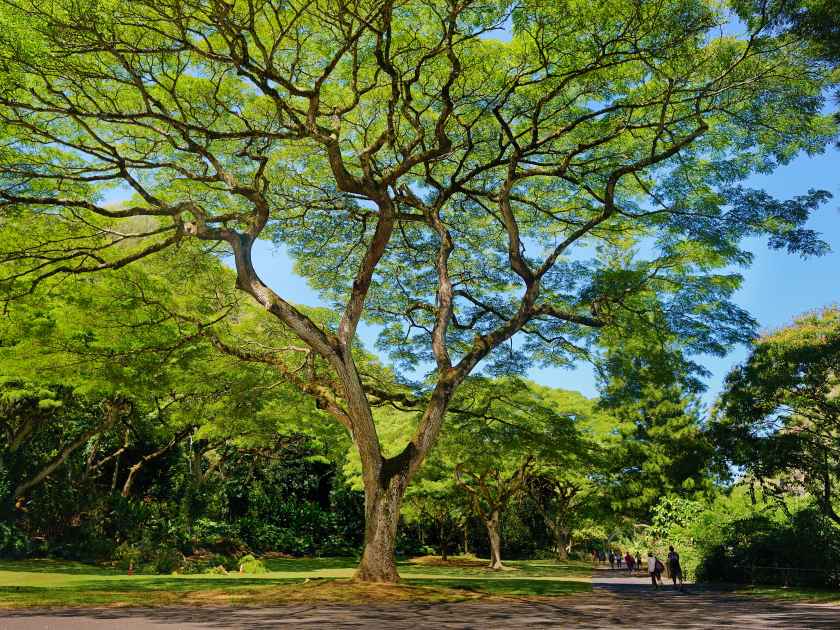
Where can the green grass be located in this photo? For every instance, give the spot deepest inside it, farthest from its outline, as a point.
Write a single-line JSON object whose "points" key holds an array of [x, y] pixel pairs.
{"points": [[56, 583], [793, 593]]}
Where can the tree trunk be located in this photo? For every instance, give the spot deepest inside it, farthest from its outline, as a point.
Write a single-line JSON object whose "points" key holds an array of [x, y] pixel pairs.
{"points": [[382, 515], [562, 542], [495, 535], [466, 537]]}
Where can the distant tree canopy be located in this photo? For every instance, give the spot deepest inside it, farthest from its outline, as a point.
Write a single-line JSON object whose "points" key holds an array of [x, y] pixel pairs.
{"points": [[484, 202], [779, 415]]}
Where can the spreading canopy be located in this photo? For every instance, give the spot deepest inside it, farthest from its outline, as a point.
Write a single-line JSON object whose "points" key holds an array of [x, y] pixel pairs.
{"points": [[461, 191]]}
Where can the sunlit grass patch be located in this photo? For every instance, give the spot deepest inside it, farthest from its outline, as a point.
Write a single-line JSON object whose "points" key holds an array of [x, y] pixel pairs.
{"points": [[55, 583]]}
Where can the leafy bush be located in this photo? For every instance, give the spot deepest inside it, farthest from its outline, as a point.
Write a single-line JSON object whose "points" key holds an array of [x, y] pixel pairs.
{"points": [[735, 540], [337, 546], [226, 562], [249, 564], [13, 542], [217, 570], [801, 551]]}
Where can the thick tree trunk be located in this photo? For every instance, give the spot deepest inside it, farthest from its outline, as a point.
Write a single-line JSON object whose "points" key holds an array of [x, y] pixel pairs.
{"points": [[382, 515], [562, 542], [495, 535]]}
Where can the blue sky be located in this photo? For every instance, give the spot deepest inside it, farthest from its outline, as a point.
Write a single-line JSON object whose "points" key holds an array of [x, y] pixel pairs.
{"points": [[776, 287]]}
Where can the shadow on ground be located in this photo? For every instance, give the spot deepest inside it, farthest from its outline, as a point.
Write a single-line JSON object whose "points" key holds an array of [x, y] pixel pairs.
{"points": [[604, 608]]}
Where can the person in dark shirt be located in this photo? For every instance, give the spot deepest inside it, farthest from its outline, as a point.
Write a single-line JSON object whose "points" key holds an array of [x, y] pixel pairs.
{"points": [[674, 568]]}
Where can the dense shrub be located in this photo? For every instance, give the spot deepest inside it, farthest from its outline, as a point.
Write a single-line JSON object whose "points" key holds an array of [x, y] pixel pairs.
{"points": [[801, 551], [736, 540]]}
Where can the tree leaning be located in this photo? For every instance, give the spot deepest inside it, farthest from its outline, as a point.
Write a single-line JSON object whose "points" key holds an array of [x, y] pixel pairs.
{"points": [[426, 177]]}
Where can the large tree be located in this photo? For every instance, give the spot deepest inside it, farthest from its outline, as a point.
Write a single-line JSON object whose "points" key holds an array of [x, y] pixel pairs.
{"points": [[426, 176]]}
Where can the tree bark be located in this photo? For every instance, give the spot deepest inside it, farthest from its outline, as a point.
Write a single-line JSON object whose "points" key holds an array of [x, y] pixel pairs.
{"points": [[495, 535], [383, 498], [132, 472], [466, 537], [562, 540]]}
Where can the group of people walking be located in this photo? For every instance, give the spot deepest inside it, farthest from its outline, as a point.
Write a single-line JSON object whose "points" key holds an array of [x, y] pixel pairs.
{"points": [[655, 567], [616, 559]]}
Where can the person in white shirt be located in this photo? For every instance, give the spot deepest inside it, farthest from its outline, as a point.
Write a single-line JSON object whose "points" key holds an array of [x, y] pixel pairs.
{"points": [[653, 569]]}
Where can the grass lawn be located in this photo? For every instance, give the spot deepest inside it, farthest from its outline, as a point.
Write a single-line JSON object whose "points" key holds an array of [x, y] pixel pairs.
{"points": [[57, 583], [792, 593]]}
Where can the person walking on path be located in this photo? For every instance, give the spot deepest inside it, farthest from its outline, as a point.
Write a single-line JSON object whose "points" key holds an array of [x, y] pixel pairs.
{"points": [[674, 568], [638, 561], [629, 560], [618, 559], [651, 560], [612, 559]]}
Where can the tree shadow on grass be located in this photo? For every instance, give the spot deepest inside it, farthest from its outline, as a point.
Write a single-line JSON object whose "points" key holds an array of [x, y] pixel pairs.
{"points": [[507, 587], [304, 565], [48, 565]]}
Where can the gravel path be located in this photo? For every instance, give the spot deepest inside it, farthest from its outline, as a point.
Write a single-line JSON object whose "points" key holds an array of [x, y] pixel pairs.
{"points": [[617, 601]]}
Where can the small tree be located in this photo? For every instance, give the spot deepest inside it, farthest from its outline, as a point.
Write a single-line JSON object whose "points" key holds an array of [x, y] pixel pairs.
{"points": [[492, 492], [779, 414], [502, 429], [558, 495]]}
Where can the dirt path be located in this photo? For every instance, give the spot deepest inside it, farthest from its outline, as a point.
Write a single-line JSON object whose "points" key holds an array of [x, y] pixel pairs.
{"points": [[617, 601]]}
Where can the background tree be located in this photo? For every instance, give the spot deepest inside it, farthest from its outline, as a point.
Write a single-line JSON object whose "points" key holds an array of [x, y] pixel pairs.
{"points": [[658, 446], [562, 496], [501, 429], [439, 183]]}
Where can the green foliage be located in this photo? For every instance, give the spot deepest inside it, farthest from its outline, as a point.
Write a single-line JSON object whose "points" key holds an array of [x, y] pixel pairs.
{"points": [[490, 205], [744, 538], [13, 542], [128, 555], [779, 415]]}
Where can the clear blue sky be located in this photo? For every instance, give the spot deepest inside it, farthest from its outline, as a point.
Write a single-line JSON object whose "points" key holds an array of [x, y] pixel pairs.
{"points": [[776, 287]]}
